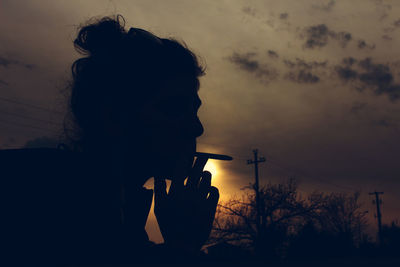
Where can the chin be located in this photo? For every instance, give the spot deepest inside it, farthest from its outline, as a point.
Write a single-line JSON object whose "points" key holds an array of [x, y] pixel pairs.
{"points": [[170, 167]]}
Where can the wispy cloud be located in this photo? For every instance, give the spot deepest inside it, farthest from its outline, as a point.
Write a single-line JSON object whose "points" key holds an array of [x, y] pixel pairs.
{"points": [[327, 7], [249, 63], [283, 15], [249, 11], [319, 35], [363, 44], [7, 62], [302, 76], [272, 54]]}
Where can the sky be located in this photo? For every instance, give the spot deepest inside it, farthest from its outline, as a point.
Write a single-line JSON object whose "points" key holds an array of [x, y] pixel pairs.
{"points": [[313, 85]]}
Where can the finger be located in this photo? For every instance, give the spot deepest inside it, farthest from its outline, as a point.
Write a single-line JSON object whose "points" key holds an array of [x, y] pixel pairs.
{"points": [[197, 170], [176, 187], [213, 197], [204, 185], [160, 189]]}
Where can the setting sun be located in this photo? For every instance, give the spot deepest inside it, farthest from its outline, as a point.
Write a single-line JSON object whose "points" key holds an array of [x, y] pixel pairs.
{"points": [[212, 167]]}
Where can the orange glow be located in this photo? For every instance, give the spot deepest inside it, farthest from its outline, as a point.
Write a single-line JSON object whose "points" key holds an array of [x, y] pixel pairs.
{"points": [[212, 167]]}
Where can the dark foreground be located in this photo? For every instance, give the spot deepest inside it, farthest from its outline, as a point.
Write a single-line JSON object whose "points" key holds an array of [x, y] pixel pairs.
{"points": [[335, 262]]}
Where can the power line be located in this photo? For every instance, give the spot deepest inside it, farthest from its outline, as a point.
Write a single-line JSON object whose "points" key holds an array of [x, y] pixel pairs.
{"points": [[29, 105], [378, 203], [30, 118], [257, 187], [277, 163], [27, 126]]}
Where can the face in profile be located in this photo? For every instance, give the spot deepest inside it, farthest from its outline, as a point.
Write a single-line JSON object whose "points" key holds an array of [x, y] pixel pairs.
{"points": [[136, 94], [171, 125]]}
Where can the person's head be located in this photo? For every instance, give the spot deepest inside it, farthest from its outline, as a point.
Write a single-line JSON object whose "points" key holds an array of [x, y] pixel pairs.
{"points": [[135, 90]]}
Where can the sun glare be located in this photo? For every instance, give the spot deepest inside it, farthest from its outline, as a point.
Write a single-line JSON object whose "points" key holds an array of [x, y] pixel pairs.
{"points": [[213, 168]]}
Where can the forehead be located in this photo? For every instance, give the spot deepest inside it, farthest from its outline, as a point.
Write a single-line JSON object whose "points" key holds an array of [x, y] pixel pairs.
{"points": [[180, 86]]}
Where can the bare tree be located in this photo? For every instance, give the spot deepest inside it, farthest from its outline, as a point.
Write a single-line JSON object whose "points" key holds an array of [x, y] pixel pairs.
{"points": [[282, 210], [342, 214], [336, 219]]}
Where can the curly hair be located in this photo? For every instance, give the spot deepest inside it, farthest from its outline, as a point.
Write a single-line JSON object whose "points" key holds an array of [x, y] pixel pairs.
{"points": [[120, 69]]}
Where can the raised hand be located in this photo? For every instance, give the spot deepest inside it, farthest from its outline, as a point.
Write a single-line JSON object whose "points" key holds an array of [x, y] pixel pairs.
{"points": [[186, 213]]}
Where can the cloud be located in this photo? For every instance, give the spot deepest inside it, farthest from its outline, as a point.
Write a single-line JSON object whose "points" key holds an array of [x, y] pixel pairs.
{"points": [[358, 107], [382, 9], [7, 62], [363, 44], [369, 75], [319, 35], [384, 123], [346, 73], [302, 76], [349, 61], [248, 63], [302, 71], [301, 63], [283, 15], [272, 54], [325, 7], [249, 11]]}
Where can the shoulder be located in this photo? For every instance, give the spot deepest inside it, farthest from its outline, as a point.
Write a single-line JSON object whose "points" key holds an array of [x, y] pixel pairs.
{"points": [[36, 167], [37, 158]]}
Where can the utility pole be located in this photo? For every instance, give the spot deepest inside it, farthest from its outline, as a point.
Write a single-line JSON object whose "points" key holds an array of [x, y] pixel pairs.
{"points": [[257, 186], [378, 203]]}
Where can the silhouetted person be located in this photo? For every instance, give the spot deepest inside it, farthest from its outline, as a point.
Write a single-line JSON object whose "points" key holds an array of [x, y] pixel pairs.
{"points": [[134, 105]]}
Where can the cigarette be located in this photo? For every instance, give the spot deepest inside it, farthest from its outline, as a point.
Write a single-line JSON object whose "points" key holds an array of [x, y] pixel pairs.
{"points": [[212, 156]]}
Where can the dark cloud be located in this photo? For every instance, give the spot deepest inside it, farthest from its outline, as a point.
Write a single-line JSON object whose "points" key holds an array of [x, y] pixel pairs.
{"points": [[319, 35], [387, 37], [272, 54], [249, 11], [7, 62], [363, 44], [245, 61], [248, 63], [30, 66], [325, 7], [301, 63], [358, 107], [43, 141], [283, 15], [342, 37], [302, 76], [301, 71], [369, 75], [384, 123], [349, 61], [346, 73]]}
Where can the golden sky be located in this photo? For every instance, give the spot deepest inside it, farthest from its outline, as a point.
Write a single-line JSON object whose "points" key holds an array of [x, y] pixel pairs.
{"points": [[279, 78]]}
